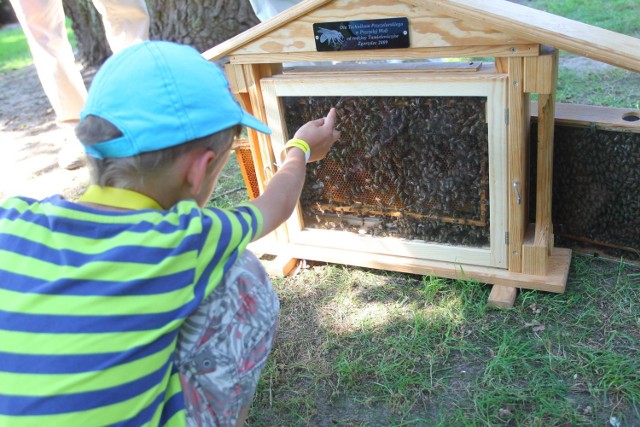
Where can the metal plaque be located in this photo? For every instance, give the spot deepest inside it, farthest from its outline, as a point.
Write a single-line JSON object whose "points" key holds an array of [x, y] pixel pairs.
{"points": [[392, 33]]}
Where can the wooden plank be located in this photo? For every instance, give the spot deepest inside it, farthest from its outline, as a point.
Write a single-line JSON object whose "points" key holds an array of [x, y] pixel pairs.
{"points": [[410, 67], [419, 249], [263, 28], [545, 28], [254, 143], [237, 81], [536, 78], [530, 49], [607, 118], [426, 29], [281, 266], [392, 84], [534, 257], [502, 65], [518, 162], [544, 171], [354, 210], [254, 74], [502, 296], [554, 281]]}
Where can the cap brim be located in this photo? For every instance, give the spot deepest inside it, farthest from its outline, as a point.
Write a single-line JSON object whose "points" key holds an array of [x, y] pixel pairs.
{"points": [[253, 123]]}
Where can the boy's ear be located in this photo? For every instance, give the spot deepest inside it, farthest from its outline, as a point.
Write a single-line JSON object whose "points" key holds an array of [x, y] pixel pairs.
{"points": [[198, 167]]}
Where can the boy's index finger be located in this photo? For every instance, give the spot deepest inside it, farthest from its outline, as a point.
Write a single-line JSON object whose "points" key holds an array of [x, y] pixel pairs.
{"points": [[331, 118]]}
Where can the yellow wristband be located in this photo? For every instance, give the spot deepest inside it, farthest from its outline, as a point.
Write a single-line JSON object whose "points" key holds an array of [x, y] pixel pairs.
{"points": [[298, 143]]}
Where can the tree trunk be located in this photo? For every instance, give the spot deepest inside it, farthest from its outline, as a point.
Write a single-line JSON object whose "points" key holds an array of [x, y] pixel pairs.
{"points": [[86, 22], [198, 23]]}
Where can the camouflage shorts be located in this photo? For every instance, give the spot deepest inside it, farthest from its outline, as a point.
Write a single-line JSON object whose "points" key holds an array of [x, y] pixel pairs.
{"points": [[224, 345]]}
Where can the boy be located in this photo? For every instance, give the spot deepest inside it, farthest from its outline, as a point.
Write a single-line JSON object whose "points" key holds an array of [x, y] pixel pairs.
{"points": [[136, 305]]}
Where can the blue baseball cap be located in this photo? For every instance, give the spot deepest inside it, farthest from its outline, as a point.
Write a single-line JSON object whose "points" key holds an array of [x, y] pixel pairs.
{"points": [[159, 95]]}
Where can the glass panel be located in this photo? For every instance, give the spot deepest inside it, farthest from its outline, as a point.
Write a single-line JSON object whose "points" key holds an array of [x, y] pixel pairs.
{"points": [[407, 167]]}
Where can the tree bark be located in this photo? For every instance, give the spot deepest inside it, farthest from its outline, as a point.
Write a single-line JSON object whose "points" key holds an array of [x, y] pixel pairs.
{"points": [[86, 22], [198, 23]]}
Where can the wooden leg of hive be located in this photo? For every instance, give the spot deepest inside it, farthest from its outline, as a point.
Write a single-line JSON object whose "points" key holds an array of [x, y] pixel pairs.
{"points": [[281, 266], [502, 296]]}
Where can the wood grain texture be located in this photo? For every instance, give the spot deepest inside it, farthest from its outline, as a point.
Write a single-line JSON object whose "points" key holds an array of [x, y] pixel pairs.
{"points": [[502, 296], [426, 28], [545, 28], [517, 161], [262, 29], [530, 49], [606, 118], [438, 24], [554, 281], [292, 30], [407, 67]]}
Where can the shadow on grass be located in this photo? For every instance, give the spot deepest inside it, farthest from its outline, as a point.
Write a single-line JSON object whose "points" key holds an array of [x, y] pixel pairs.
{"points": [[362, 347]]}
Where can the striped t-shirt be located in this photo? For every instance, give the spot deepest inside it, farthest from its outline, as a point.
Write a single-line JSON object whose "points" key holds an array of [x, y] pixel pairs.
{"points": [[91, 303]]}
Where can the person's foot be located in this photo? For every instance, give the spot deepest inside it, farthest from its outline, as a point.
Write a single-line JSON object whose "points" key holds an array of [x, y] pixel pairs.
{"points": [[71, 157]]}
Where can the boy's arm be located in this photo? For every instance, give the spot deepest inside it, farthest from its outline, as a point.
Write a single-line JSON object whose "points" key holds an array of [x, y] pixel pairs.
{"points": [[283, 191]]}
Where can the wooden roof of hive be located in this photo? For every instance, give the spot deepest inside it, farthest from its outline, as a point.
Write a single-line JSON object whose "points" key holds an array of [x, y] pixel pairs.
{"points": [[507, 27]]}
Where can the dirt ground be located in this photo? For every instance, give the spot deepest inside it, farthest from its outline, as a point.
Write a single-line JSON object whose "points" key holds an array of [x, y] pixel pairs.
{"points": [[30, 140]]}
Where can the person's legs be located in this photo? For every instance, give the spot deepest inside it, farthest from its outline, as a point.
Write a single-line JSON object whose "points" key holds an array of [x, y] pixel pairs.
{"points": [[43, 23], [126, 22], [224, 345], [267, 9]]}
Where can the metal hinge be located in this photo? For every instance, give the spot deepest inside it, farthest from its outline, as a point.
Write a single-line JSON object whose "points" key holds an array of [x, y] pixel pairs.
{"points": [[506, 237], [506, 116]]}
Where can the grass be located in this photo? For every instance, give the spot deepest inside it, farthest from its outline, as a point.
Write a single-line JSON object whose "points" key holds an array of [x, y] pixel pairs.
{"points": [[231, 189], [604, 86], [14, 49], [363, 347], [611, 87], [616, 15]]}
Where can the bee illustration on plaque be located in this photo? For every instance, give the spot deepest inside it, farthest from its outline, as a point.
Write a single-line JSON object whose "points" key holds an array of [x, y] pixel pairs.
{"points": [[332, 37]]}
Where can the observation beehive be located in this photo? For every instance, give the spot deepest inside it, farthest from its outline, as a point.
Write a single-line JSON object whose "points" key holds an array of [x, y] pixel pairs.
{"points": [[417, 166], [431, 174]]}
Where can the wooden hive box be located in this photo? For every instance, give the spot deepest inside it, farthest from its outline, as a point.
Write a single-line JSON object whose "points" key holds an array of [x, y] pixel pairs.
{"points": [[380, 54]]}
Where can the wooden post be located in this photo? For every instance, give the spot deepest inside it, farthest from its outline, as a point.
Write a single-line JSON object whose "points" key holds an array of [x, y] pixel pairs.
{"points": [[518, 132], [517, 138], [253, 74], [541, 75], [502, 296]]}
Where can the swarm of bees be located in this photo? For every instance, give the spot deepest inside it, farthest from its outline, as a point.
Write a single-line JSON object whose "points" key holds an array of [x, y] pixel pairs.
{"points": [[596, 191], [407, 167]]}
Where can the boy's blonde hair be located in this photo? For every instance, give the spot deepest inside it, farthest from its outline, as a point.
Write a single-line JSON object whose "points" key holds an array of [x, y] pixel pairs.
{"points": [[132, 172]]}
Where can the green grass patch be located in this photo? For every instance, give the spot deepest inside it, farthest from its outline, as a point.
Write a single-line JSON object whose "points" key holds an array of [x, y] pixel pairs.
{"points": [[616, 15], [364, 347], [231, 189], [611, 87], [14, 49]]}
